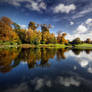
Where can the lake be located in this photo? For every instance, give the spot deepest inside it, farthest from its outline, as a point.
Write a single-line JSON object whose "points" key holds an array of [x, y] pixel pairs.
{"points": [[45, 70]]}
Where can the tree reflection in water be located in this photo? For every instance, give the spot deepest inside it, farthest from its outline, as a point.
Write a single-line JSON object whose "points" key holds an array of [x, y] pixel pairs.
{"points": [[60, 53], [34, 57], [6, 58], [78, 51]]}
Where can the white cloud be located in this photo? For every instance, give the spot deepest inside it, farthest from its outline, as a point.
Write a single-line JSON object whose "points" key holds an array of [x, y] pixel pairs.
{"points": [[83, 59], [82, 13], [30, 4], [83, 63], [89, 22], [61, 8], [15, 3], [36, 6], [83, 31], [42, 5], [71, 23], [23, 26]]}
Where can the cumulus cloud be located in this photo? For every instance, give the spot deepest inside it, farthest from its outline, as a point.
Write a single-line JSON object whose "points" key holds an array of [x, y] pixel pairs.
{"points": [[81, 29], [84, 31], [61, 8]]}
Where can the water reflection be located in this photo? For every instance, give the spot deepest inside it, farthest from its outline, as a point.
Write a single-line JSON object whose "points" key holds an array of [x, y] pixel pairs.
{"points": [[45, 70], [6, 59], [10, 58], [60, 53]]}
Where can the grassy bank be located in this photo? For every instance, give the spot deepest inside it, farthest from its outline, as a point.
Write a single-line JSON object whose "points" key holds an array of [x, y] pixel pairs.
{"points": [[79, 46], [36, 46], [54, 45], [83, 46]]}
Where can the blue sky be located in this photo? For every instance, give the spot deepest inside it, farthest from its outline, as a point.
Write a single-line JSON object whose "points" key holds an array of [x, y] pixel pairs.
{"points": [[66, 15]]}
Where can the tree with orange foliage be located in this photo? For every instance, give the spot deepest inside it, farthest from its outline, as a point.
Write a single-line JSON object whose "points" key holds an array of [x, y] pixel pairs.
{"points": [[61, 38], [6, 32], [33, 36]]}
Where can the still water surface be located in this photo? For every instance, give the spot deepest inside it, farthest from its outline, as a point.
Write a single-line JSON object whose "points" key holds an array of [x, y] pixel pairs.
{"points": [[45, 70]]}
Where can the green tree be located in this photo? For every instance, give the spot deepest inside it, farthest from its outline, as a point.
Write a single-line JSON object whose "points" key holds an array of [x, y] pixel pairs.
{"points": [[88, 40], [76, 41], [16, 26]]}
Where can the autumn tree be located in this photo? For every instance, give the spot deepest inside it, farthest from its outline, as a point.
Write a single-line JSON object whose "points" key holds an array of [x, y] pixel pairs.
{"points": [[33, 36], [5, 27], [32, 25], [6, 32], [6, 21], [45, 32], [61, 38], [45, 27], [51, 38], [38, 37], [22, 35], [21, 32]]}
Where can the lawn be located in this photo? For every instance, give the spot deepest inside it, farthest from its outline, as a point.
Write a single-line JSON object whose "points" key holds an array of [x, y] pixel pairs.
{"points": [[83, 46], [38, 46]]}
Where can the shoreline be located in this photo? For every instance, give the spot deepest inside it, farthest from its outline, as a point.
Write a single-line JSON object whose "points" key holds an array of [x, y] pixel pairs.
{"points": [[82, 46], [36, 46]]}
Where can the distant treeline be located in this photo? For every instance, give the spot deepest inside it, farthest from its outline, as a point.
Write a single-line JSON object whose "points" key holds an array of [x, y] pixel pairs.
{"points": [[12, 33]]}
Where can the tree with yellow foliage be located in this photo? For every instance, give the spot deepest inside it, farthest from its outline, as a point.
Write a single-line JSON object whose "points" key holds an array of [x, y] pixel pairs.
{"points": [[6, 32], [33, 36], [61, 38]]}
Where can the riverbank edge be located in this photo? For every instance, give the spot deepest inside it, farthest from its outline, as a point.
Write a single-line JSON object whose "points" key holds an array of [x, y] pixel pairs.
{"points": [[79, 46], [82, 46], [36, 46]]}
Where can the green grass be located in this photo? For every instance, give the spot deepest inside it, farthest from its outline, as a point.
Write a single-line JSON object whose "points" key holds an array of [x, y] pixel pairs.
{"points": [[37, 46], [53, 45], [45, 45], [79, 46], [83, 46]]}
